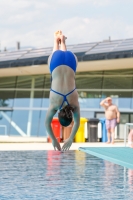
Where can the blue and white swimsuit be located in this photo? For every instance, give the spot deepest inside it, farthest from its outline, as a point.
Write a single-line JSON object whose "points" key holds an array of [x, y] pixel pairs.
{"points": [[62, 58]]}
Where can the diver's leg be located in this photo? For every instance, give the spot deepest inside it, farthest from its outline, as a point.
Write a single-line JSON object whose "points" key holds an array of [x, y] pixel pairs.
{"points": [[56, 40], [63, 43]]}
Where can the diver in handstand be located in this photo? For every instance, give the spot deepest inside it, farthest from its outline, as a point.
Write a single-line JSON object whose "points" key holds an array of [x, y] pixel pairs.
{"points": [[63, 93]]}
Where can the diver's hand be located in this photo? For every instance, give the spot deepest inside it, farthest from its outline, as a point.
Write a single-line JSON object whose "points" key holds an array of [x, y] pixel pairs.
{"points": [[67, 144], [56, 144]]}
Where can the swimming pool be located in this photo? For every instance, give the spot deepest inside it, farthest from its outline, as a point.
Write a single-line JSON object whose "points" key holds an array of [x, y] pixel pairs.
{"points": [[40, 175]]}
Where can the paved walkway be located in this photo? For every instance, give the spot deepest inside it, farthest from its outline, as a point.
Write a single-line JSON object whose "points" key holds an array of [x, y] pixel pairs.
{"points": [[25, 143], [48, 146]]}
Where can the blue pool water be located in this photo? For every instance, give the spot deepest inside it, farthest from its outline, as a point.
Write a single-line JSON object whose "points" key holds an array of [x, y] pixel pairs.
{"points": [[40, 175]]}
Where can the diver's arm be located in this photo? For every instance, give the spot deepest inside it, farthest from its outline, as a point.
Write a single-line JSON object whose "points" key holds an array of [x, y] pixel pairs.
{"points": [[76, 117], [49, 116]]}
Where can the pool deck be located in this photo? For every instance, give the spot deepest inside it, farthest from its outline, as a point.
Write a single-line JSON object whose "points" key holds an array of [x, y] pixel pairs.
{"points": [[23, 144]]}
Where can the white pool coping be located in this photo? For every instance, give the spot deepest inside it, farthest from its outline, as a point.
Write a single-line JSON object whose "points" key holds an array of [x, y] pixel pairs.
{"points": [[22, 144]]}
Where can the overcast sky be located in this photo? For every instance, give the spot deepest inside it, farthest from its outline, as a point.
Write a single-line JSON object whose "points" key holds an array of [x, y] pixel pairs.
{"points": [[32, 22]]}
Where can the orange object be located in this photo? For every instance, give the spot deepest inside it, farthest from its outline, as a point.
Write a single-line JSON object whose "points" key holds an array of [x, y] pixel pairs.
{"points": [[57, 129]]}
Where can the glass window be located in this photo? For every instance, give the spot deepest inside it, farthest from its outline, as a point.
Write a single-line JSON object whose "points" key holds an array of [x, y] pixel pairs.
{"points": [[6, 98], [19, 122], [39, 82], [131, 118], [100, 115], [89, 99], [124, 118], [35, 123], [7, 82], [22, 99], [88, 82], [38, 98], [119, 72], [47, 82], [90, 73], [24, 81], [117, 83], [5, 117], [45, 100], [42, 130], [19, 125], [132, 103], [87, 114]]}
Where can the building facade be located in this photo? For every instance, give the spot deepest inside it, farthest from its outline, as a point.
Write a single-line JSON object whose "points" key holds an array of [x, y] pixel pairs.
{"points": [[104, 69]]}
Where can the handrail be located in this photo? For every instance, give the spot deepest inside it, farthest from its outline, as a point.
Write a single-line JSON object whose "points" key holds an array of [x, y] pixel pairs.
{"points": [[125, 132]]}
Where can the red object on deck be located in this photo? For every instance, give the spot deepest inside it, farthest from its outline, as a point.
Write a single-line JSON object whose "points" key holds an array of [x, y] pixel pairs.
{"points": [[57, 129]]}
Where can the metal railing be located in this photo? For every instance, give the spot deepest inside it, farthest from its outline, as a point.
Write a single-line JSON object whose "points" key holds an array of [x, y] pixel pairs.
{"points": [[125, 131]]}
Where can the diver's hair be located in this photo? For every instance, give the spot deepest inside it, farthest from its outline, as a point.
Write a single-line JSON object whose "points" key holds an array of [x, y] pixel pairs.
{"points": [[66, 115]]}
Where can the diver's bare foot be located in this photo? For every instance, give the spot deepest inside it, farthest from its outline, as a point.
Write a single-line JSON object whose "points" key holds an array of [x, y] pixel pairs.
{"points": [[58, 33], [57, 36], [108, 142], [112, 142]]}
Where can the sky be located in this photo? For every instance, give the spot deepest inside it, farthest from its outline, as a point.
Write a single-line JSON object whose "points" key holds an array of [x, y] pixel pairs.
{"points": [[33, 22]]}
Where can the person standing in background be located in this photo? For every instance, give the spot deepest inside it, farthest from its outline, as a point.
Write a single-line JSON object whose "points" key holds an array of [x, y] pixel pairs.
{"points": [[112, 116]]}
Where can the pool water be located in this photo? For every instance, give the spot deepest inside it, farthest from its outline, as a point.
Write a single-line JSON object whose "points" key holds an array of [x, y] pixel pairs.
{"points": [[52, 175]]}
